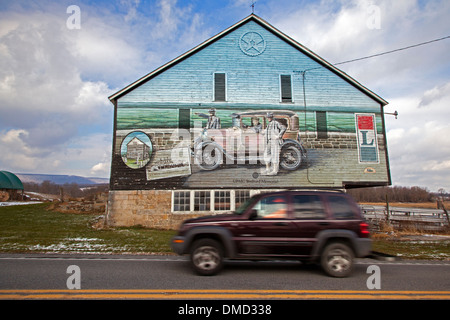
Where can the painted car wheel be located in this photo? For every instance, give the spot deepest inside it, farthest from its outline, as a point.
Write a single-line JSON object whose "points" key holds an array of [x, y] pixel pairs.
{"points": [[290, 157], [209, 158]]}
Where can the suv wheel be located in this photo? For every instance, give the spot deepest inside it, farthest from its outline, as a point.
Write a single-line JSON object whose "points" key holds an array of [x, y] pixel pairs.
{"points": [[337, 260], [207, 257]]}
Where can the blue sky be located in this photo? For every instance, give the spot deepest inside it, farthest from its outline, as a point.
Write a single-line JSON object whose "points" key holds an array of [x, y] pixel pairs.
{"points": [[55, 117]]}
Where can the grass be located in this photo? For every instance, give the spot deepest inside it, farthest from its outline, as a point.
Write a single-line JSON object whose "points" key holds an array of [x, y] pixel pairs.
{"points": [[34, 228], [414, 249]]}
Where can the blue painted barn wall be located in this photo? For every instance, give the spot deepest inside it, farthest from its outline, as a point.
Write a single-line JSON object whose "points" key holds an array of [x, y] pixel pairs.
{"points": [[250, 79]]}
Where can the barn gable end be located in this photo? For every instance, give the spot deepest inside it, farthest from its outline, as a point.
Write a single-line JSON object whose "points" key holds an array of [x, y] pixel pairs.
{"points": [[334, 125]]}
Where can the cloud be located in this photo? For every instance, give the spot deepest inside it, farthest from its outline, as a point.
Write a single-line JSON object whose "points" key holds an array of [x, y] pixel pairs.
{"points": [[84, 154], [418, 140], [131, 6], [44, 101], [436, 95], [175, 29], [14, 150], [78, 156], [101, 169], [343, 30]]}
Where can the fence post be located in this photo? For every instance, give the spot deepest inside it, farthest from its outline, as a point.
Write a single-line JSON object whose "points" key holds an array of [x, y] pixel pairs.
{"points": [[387, 208]]}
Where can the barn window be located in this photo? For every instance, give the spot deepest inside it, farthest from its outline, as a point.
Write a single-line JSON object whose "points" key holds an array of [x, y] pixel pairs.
{"points": [[286, 88], [202, 200], [222, 200], [182, 201], [219, 87]]}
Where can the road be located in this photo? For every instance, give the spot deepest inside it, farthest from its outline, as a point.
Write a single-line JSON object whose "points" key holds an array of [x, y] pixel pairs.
{"points": [[34, 276]]}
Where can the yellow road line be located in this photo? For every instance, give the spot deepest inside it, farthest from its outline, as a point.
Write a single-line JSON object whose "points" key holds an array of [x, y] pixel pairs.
{"points": [[219, 294]]}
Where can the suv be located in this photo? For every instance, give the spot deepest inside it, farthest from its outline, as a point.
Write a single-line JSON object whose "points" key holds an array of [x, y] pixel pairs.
{"points": [[311, 226]]}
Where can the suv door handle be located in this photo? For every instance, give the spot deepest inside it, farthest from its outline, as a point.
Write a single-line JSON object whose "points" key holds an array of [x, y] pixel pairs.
{"points": [[280, 224], [324, 223]]}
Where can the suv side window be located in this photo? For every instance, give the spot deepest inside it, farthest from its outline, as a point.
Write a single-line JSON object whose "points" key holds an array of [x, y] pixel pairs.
{"points": [[272, 207], [341, 208], [308, 207]]}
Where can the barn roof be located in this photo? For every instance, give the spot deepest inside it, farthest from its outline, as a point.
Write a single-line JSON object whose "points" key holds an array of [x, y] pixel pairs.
{"points": [[269, 27], [9, 180]]}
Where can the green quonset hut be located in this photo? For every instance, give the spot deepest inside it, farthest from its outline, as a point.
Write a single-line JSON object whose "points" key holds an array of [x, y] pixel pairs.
{"points": [[11, 188]]}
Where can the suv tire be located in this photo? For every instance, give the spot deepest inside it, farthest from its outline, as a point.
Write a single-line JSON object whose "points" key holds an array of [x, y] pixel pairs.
{"points": [[337, 259], [206, 257]]}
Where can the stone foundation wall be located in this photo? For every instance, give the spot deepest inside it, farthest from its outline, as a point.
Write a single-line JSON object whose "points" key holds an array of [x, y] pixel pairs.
{"points": [[148, 208]]}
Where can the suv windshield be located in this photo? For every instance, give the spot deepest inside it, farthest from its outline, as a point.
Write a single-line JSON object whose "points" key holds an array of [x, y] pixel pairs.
{"points": [[244, 206]]}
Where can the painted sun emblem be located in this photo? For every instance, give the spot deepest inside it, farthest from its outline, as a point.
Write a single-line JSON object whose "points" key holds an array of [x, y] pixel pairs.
{"points": [[252, 43]]}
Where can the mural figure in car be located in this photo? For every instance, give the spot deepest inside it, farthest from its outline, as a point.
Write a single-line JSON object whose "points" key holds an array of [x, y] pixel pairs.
{"points": [[213, 121]]}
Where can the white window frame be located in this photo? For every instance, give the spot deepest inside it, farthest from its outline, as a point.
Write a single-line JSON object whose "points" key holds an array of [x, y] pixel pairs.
{"points": [[173, 201], [231, 195]]}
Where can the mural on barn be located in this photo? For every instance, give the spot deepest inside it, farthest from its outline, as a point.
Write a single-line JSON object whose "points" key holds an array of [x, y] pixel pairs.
{"points": [[248, 109], [238, 152]]}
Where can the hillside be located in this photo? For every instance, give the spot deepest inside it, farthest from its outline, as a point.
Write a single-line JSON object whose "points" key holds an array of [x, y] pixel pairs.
{"points": [[61, 179]]}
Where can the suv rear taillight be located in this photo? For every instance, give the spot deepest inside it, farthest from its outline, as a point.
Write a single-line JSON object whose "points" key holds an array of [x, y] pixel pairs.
{"points": [[364, 230]]}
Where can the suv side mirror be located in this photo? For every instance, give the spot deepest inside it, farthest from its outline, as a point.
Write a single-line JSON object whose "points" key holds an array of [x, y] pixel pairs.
{"points": [[253, 214]]}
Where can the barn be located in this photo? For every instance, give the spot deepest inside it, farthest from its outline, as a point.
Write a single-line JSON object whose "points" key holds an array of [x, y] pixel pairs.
{"points": [[247, 110]]}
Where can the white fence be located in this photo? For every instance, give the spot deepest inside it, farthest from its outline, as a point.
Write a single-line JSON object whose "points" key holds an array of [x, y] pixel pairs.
{"points": [[403, 217]]}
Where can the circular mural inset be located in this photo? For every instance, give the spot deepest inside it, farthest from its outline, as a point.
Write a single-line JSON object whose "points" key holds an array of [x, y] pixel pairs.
{"points": [[136, 150], [252, 43]]}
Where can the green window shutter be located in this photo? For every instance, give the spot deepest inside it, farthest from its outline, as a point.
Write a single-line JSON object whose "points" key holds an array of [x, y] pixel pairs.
{"points": [[286, 88], [184, 118], [219, 87], [321, 125]]}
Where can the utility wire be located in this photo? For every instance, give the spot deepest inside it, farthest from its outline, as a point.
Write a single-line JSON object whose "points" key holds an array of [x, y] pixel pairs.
{"points": [[396, 50]]}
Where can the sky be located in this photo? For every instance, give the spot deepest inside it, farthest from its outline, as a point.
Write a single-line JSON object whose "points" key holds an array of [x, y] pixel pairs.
{"points": [[58, 65]]}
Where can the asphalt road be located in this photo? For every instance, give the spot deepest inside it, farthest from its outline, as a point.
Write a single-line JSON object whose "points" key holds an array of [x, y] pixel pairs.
{"points": [[43, 276]]}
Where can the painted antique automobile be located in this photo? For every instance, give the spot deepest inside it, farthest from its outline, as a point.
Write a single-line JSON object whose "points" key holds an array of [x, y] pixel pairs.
{"points": [[244, 142]]}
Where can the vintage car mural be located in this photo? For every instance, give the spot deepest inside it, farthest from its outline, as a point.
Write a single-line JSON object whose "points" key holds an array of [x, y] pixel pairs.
{"points": [[245, 142]]}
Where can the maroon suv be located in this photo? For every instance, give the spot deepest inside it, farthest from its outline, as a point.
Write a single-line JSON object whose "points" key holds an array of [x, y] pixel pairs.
{"points": [[324, 227]]}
